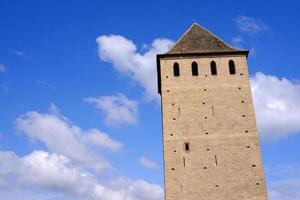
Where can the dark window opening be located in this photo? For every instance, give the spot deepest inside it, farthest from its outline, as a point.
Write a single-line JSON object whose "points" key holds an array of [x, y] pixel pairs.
{"points": [[213, 68], [176, 69], [231, 67], [194, 69], [187, 146], [184, 161], [216, 160]]}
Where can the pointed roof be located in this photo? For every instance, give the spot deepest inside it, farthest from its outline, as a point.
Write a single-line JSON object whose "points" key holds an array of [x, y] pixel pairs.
{"points": [[199, 40]]}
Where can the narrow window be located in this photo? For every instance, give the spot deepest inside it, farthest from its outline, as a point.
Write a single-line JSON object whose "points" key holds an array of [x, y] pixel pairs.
{"points": [[194, 69], [187, 146], [231, 67], [176, 69], [213, 68]]}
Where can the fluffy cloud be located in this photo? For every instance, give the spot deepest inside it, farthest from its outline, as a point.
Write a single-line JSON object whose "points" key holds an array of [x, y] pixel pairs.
{"points": [[2, 68], [54, 172], [141, 67], [277, 105], [250, 25], [56, 131], [145, 162], [117, 109]]}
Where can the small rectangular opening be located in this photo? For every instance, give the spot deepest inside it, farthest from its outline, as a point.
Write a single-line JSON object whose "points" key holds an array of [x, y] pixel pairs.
{"points": [[187, 146]]}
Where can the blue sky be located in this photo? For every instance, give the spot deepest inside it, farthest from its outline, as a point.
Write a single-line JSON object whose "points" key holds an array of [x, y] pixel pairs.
{"points": [[78, 78]]}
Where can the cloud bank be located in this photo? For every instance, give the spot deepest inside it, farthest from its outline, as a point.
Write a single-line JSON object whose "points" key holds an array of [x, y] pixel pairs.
{"points": [[277, 106]]}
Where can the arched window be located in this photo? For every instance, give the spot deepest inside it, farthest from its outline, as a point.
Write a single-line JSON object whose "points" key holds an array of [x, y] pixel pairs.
{"points": [[231, 67], [176, 69], [194, 69], [213, 68]]}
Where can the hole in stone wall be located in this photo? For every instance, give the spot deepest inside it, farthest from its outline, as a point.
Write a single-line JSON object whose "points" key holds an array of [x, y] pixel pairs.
{"points": [[205, 117], [174, 118], [257, 183], [173, 168], [167, 76], [253, 165], [213, 68], [216, 185], [168, 90], [213, 110], [241, 74], [203, 103], [184, 161], [171, 134], [204, 89], [240, 88], [206, 133], [176, 70], [248, 147], [243, 101], [194, 69], [207, 149], [187, 146], [204, 167], [174, 151], [179, 111], [231, 67], [173, 104], [243, 115], [216, 160], [246, 131]]}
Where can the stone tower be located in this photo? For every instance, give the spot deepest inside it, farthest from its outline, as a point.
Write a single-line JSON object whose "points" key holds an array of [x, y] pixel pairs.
{"points": [[211, 146]]}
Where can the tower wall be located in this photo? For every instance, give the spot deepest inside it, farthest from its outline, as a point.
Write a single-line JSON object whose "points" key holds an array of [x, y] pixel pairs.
{"points": [[214, 115]]}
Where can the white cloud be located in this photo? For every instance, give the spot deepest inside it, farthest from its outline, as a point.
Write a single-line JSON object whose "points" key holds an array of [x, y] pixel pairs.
{"points": [[54, 172], [237, 41], [18, 53], [63, 137], [277, 105], [145, 162], [141, 67], [2, 68], [117, 109], [250, 25]]}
